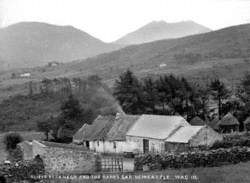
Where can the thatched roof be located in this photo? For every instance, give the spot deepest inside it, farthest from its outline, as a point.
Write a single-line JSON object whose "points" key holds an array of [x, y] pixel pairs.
{"points": [[121, 126], [247, 121], [228, 119], [197, 121], [98, 130]]}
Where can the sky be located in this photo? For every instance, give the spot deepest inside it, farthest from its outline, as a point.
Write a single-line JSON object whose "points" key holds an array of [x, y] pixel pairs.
{"points": [[108, 20]]}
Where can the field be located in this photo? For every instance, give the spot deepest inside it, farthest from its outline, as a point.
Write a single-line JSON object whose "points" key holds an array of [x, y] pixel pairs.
{"points": [[238, 173]]}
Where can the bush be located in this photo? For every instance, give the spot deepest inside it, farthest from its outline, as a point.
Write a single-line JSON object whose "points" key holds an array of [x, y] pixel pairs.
{"points": [[232, 142], [11, 140], [193, 159]]}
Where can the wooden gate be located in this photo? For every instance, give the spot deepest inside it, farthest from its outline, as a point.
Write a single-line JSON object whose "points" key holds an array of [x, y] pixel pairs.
{"points": [[112, 164]]}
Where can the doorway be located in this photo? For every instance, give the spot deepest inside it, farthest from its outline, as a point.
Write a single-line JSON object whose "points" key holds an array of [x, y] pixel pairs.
{"points": [[145, 145]]}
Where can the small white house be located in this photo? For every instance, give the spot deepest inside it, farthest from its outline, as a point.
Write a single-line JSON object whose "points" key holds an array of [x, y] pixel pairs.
{"points": [[25, 75]]}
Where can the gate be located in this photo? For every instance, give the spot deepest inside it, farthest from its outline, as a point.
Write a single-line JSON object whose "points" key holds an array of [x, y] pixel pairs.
{"points": [[112, 164]]}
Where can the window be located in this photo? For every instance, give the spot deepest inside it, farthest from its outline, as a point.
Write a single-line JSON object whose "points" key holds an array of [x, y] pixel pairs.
{"points": [[114, 145]]}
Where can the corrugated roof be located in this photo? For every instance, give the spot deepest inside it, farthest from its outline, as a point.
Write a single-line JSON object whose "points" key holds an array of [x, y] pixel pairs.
{"points": [[197, 121], [184, 134], [229, 119], [121, 126], [156, 126], [98, 130]]}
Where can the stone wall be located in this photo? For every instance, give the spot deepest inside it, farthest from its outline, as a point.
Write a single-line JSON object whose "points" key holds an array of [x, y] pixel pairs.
{"points": [[65, 160]]}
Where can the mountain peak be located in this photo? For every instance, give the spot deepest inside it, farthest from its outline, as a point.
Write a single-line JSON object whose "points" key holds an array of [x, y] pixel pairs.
{"points": [[29, 44], [157, 30]]}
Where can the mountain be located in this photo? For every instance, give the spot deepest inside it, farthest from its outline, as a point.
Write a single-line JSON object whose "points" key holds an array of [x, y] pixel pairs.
{"points": [[223, 54], [30, 44], [158, 30]]}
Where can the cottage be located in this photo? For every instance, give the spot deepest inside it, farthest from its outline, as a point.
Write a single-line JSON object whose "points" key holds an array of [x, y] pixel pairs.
{"points": [[106, 134], [228, 124], [247, 124], [94, 136], [143, 134], [197, 121]]}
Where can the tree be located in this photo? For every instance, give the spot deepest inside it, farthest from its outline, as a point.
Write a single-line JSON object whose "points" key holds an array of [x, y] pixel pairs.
{"points": [[219, 93], [45, 126], [70, 119], [151, 98], [128, 91], [201, 101], [244, 89], [11, 140]]}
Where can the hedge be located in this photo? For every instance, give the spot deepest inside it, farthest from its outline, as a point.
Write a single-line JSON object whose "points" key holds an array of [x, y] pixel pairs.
{"points": [[210, 158], [242, 140]]}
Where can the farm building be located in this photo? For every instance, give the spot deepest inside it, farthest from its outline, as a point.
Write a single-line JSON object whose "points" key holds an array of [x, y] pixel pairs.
{"points": [[228, 124], [143, 134], [190, 137], [106, 134], [247, 124], [169, 133], [197, 121]]}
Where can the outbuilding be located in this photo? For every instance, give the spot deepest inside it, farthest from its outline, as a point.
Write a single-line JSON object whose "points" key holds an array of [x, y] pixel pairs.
{"points": [[247, 124], [197, 121], [228, 124]]}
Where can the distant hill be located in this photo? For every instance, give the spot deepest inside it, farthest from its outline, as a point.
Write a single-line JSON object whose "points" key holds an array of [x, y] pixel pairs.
{"points": [[30, 44], [158, 30], [224, 53]]}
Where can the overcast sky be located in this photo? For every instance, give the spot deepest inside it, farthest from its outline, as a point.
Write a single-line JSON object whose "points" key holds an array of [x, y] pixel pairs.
{"points": [[108, 20]]}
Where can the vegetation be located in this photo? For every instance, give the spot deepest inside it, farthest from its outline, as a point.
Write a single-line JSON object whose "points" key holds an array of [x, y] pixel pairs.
{"points": [[171, 95], [193, 159], [219, 92], [11, 140], [33, 111]]}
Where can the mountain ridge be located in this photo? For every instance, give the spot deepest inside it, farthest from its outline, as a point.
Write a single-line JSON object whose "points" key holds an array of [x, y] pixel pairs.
{"points": [[30, 44], [157, 30]]}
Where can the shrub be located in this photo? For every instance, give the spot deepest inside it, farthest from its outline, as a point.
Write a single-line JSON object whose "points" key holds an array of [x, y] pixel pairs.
{"points": [[11, 140], [193, 159]]}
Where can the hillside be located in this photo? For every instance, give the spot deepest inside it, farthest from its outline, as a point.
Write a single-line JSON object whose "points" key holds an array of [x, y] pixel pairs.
{"points": [[30, 44], [224, 53], [158, 30], [22, 112], [209, 54]]}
